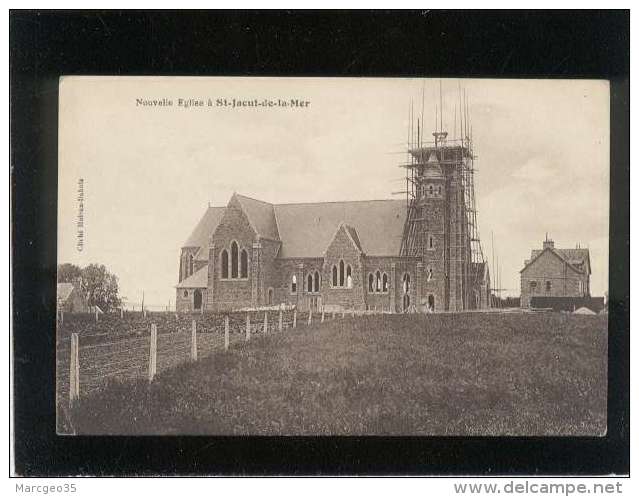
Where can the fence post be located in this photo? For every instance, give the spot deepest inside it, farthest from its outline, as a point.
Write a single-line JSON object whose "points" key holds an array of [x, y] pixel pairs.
{"points": [[144, 313], [265, 322], [74, 372], [310, 316], [280, 323], [248, 327], [295, 318], [193, 340], [96, 314], [322, 315], [226, 332], [333, 315], [343, 313], [153, 352], [121, 313]]}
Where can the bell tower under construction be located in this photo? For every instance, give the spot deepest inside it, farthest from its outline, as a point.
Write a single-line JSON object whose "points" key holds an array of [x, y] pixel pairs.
{"points": [[441, 220]]}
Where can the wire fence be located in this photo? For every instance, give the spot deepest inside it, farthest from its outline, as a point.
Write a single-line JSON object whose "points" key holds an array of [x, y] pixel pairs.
{"points": [[140, 345]]}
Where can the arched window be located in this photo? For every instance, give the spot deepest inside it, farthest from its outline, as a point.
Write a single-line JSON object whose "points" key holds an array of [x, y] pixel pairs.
{"points": [[244, 264], [385, 283], [371, 279], [234, 255], [431, 242], [294, 284], [429, 274], [349, 277], [190, 264], [309, 283], [548, 286], [186, 293], [316, 285], [431, 303], [334, 281], [439, 190], [406, 283], [341, 273], [225, 264], [378, 281], [430, 189]]}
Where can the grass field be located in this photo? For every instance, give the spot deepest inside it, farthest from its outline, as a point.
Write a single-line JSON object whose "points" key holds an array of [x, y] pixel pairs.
{"points": [[465, 374]]}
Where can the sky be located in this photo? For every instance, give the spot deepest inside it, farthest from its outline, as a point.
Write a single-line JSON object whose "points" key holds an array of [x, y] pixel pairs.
{"points": [[149, 172]]}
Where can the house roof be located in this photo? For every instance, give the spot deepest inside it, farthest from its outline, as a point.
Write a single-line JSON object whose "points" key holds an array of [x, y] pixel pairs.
{"points": [[199, 279], [64, 291], [305, 230], [575, 258]]}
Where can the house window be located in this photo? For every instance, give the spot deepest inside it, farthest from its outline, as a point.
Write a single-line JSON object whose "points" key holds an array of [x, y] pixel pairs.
{"points": [[334, 280], [341, 273], [385, 283], [234, 256], [294, 284], [349, 278], [225, 264], [186, 293], [309, 283], [371, 280], [581, 287], [533, 286], [244, 264], [316, 283], [548, 286]]}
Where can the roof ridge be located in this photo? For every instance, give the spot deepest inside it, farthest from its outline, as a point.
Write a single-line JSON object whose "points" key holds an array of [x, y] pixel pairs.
{"points": [[254, 199], [339, 202]]}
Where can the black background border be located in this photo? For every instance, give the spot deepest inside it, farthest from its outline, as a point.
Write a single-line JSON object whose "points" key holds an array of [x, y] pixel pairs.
{"points": [[521, 44]]}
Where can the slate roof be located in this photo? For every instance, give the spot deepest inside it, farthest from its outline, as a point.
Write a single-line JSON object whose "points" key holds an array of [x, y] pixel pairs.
{"points": [[199, 279], [261, 216], [64, 291], [479, 271], [305, 230], [578, 259], [203, 229], [353, 232]]}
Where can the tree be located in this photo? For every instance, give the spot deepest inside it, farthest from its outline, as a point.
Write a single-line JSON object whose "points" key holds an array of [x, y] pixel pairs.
{"points": [[100, 287], [68, 273], [97, 284]]}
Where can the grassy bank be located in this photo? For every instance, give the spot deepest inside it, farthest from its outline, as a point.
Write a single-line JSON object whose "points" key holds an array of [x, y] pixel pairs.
{"points": [[470, 374]]}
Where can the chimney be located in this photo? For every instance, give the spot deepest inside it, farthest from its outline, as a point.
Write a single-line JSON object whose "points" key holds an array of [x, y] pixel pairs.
{"points": [[548, 243]]}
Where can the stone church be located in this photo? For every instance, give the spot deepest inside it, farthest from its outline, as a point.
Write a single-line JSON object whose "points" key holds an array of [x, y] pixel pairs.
{"points": [[338, 255]]}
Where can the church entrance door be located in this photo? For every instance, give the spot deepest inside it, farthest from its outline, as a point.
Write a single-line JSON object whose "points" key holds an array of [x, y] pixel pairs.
{"points": [[197, 300]]}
